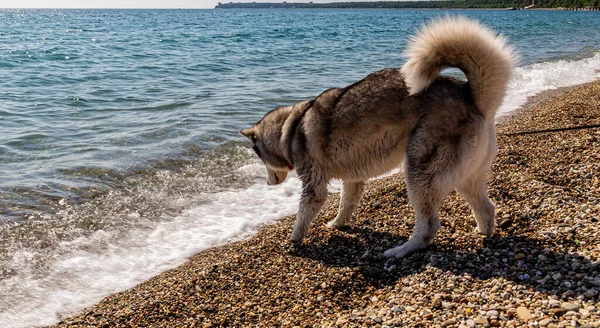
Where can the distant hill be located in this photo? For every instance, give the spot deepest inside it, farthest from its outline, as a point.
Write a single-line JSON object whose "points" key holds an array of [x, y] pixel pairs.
{"points": [[451, 4]]}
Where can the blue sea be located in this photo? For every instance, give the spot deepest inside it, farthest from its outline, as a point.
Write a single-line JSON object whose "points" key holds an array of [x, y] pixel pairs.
{"points": [[119, 152]]}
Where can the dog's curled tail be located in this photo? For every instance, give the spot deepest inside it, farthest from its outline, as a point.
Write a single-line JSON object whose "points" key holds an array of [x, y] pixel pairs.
{"points": [[479, 52]]}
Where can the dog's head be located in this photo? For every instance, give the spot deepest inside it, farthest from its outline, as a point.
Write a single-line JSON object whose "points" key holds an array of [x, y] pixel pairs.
{"points": [[265, 137]]}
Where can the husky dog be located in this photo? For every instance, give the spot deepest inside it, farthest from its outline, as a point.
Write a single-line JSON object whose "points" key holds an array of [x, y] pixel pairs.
{"points": [[441, 128]]}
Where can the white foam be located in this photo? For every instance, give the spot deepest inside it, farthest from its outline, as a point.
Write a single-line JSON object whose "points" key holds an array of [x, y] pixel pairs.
{"points": [[83, 271], [106, 262], [532, 79]]}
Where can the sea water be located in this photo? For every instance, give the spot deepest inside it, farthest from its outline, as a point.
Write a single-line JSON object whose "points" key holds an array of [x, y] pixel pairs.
{"points": [[119, 152]]}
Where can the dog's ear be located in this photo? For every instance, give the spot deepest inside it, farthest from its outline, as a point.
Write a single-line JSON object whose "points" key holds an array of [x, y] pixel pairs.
{"points": [[249, 133]]}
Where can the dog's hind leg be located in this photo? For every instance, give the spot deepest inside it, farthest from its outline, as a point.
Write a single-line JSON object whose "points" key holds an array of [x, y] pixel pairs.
{"points": [[314, 194], [425, 198], [350, 196], [475, 192]]}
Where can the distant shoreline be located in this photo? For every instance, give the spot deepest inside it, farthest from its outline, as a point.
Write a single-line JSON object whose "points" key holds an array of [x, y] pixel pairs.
{"points": [[568, 5], [428, 9]]}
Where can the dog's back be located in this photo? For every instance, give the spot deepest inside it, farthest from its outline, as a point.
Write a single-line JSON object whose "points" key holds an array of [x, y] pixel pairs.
{"points": [[361, 130]]}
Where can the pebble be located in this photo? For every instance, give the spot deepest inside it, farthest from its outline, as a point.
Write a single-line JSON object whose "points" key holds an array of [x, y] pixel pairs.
{"points": [[408, 290], [523, 313], [570, 307], [584, 313], [481, 321], [492, 313], [554, 303]]}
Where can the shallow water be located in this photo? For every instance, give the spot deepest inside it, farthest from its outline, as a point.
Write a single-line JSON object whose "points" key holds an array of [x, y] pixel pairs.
{"points": [[119, 154]]}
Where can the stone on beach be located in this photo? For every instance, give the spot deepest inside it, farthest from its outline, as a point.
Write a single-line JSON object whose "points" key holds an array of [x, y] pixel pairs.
{"points": [[523, 313]]}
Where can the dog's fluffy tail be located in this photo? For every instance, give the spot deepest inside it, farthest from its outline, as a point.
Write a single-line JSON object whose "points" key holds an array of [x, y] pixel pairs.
{"points": [[479, 52]]}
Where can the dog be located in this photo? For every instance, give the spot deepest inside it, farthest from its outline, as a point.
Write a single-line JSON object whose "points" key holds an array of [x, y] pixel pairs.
{"points": [[440, 128]]}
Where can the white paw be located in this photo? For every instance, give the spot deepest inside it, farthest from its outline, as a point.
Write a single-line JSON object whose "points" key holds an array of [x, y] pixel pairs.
{"points": [[397, 252], [335, 224], [297, 237], [412, 245], [487, 232]]}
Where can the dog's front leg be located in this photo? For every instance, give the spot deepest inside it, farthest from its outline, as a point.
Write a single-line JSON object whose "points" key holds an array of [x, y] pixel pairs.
{"points": [[350, 196], [313, 196]]}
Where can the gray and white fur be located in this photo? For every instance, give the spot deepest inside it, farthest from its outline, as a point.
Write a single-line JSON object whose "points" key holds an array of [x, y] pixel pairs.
{"points": [[441, 128]]}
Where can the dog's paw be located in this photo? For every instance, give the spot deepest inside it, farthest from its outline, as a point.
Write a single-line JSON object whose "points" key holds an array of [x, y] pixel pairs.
{"points": [[407, 248], [297, 237], [397, 252], [335, 224], [488, 232]]}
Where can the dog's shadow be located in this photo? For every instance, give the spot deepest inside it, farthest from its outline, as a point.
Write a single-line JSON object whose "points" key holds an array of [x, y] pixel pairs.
{"points": [[522, 260]]}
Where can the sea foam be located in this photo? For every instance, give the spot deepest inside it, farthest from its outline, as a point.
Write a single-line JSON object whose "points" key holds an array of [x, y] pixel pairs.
{"points": [[532, 79]]}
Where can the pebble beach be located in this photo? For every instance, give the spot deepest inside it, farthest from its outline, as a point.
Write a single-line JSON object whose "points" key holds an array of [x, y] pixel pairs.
{"points": [[541, 269]]}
